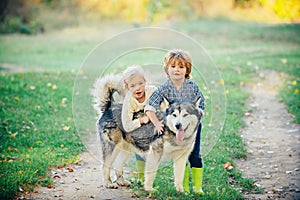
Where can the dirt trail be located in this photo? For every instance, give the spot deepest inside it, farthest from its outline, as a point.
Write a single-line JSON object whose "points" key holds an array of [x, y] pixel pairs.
{"points": [[82, 181], [272, 141]]}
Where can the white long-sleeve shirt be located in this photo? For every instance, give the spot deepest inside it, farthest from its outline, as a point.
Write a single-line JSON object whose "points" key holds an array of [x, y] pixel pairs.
{"points": [[131, 106]]}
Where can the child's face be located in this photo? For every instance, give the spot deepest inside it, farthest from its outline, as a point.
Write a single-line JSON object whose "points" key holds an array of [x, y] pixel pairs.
{"points": [[136, 86], [176, 71]]}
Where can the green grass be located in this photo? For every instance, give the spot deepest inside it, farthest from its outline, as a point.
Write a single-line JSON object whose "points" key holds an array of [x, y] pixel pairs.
{"points": [[37, 129], [290, 95]]}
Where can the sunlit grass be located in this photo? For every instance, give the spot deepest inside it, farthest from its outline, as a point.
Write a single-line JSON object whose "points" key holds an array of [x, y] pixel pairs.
{"points": [[37, 129]]}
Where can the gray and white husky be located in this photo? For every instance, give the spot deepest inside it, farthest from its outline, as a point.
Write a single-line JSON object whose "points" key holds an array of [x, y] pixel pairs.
{"points": [[178, 118]]}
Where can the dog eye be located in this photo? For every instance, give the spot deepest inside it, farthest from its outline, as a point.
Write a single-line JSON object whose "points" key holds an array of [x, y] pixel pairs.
{"points": [[174, 115], [185, 115]]}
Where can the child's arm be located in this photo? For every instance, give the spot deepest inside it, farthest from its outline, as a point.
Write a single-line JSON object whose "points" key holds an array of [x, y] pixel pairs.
{"points": [[153, 105], [158, 124], [129, 124]]}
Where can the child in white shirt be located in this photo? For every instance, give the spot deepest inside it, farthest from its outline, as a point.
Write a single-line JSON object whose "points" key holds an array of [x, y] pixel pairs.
{"points": [[135, 100]]}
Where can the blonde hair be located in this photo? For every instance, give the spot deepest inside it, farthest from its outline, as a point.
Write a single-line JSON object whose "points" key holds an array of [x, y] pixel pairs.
{"points": [[182, 56], [132, 72]]}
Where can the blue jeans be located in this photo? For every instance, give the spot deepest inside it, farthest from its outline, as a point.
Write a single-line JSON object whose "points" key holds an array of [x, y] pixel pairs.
{"points": [[195, 158], [138, 157]]}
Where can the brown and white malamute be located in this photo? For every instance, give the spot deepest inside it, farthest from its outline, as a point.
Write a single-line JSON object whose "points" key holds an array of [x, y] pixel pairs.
{"points": [[179, 119]]}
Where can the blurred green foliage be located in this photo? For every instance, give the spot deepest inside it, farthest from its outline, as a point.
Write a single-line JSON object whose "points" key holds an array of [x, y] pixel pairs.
{"points": [[32, 16]]}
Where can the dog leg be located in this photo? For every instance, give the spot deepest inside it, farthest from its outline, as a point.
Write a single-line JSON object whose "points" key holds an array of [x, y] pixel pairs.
{"points": [[122, 158], [152, 163], [108, 160], [179, 168]]}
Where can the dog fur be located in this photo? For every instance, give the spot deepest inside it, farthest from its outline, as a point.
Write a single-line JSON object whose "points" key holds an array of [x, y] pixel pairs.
{"points": [[144, 140]]}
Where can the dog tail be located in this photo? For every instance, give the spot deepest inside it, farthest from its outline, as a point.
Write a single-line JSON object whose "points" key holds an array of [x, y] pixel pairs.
{"points": [[104, 88]]}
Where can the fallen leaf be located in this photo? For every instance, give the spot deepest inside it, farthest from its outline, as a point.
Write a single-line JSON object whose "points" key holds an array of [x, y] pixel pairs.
{"points": [[134, 173], [56, 176], [70, 170], [267, 176], [66, 128], [226, 165], [64, 100]]}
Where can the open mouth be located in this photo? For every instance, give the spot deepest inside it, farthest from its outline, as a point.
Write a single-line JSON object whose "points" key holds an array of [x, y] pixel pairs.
{"points": [[180, 133]]}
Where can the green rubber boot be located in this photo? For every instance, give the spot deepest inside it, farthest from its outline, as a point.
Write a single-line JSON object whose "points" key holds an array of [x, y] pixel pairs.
{"points": [[141, 171], [186, 180], [197, 174]]}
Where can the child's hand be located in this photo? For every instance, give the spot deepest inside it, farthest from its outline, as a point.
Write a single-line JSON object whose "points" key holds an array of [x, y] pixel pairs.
{"points": [[159, 127], [144, 120]]}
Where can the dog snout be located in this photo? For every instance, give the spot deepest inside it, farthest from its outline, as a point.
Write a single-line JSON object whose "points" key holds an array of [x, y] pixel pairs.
{"points": [[178, 126]]}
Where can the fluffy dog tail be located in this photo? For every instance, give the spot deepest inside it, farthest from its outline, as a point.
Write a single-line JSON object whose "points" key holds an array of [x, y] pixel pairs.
{"points": [[104, 88]]}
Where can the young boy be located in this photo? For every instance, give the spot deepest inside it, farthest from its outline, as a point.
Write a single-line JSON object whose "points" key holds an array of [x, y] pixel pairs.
{"points": [[178, 87], [135, 100]]}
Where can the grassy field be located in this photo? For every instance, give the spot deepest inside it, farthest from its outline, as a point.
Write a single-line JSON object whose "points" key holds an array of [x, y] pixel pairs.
{"points": [[37, 125]]}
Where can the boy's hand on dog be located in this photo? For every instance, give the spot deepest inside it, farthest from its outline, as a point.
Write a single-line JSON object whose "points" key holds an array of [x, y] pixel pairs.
{"points": [[159, 127]]}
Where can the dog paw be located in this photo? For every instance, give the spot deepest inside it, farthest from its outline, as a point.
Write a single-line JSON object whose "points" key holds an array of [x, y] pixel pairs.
{"points": [[149, 188], [112, 186], [123, 183], [179, 189]]}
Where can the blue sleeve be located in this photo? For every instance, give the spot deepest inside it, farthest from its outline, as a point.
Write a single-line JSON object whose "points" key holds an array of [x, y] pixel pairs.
{"points": [[155, 98]]}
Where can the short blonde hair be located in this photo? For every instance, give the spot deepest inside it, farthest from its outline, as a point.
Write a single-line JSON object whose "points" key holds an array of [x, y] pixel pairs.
{"points": [[182, 56], [131, 72]]}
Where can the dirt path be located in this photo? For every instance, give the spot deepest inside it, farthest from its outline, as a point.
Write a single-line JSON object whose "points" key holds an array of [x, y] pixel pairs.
{"points": [[272, 141], [82, 181]]}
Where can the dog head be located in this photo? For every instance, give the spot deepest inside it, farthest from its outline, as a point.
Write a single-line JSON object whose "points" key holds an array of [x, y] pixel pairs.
{"points": [[183, 119]]}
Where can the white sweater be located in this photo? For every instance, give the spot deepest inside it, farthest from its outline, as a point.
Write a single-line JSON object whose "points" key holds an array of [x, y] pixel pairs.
{"points": [[130, 106]]}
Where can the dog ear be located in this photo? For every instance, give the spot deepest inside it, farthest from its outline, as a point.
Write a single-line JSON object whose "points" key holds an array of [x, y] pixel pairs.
{"points": [[197, 104]]}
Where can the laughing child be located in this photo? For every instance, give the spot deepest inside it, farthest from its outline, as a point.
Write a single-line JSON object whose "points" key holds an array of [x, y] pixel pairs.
{"points": [[135, 100]]}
